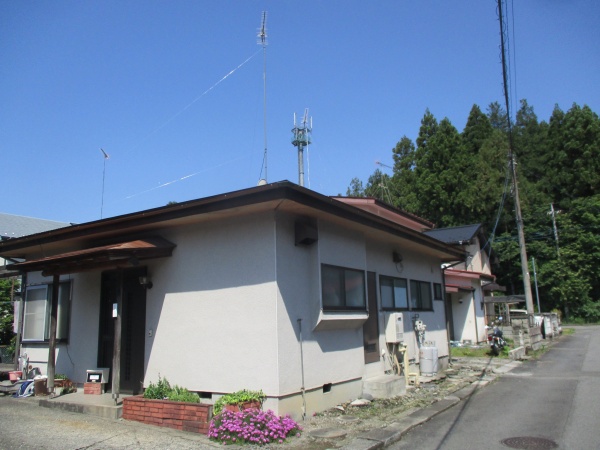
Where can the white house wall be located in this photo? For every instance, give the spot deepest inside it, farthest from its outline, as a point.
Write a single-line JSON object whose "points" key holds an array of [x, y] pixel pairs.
{"points": [[212, 308], [80, 353], [413, 267], [331, 356]]}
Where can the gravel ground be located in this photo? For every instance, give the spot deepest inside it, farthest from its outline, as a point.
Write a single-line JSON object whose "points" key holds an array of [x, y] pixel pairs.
{"points": [[354, 420], [25, 425]]}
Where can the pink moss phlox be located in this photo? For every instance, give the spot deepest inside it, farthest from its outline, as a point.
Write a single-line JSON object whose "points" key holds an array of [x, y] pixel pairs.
{"points": [[252, 426]]}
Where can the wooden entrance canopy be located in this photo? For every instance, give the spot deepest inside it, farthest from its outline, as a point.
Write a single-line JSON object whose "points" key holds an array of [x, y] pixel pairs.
{"points": [[123, 254]]}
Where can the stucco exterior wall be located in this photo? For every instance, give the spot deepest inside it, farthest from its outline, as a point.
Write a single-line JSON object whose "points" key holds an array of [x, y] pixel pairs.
{"points": [[332, 356], [80, 352], [211, 313], [413, 267]]}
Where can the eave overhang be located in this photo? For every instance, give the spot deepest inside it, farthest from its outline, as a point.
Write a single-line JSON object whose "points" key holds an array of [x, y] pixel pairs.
{"points": [[123, 254], [280, 195]]}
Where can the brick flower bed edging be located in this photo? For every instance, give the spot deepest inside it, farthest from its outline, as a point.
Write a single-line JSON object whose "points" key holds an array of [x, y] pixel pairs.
{"points": [[194, 417]]}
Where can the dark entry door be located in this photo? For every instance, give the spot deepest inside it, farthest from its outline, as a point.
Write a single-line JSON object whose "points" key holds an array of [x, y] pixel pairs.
{"points": [[371, 326], [133, 323]]}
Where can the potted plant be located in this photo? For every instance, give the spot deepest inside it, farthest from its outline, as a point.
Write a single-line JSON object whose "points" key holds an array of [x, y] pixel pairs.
{"points": [[240, 400], [63, 383]]}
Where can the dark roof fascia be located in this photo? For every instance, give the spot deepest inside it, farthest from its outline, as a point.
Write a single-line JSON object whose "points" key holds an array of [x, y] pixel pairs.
{"points": [[395, 210], [275, 191]]}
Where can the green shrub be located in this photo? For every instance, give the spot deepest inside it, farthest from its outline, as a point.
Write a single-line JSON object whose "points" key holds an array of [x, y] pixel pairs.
{"points": [[238, 397], [162, 390], [158, 391]]}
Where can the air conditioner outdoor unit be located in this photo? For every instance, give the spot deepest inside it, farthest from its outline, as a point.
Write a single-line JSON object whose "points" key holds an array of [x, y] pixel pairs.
{"points": [[394, 328]]}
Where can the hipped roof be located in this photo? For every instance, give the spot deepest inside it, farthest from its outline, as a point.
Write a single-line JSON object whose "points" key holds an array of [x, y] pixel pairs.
{"points": [[283, 196]]}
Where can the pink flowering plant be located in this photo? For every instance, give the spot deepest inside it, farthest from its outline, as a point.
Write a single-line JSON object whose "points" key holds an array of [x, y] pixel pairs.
{"points": [[252, 426]]}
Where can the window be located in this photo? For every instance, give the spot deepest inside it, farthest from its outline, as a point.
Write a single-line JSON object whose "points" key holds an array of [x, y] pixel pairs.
{"points": [[343, 289], [420, 295], [437, 291], [38, 305], [394, 293]]}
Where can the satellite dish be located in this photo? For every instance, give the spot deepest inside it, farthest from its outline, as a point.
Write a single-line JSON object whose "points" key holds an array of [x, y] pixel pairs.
{"points": [[262, 182]]}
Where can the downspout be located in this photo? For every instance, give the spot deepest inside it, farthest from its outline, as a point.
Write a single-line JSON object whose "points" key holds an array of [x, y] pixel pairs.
{"points": [[445, 311], [21, 318], [446, 316], [302, 389], [475, 316]]}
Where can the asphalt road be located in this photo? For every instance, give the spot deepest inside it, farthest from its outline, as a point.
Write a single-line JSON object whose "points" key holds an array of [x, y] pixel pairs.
{"points": [[553, 400]]}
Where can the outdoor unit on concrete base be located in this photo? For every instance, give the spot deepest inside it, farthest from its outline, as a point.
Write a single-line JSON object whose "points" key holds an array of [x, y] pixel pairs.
{"points": [[394, 328]]}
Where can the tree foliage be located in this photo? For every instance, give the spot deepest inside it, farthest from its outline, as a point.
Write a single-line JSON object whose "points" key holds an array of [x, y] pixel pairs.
{"points": [[7, 285], [456, 178]]}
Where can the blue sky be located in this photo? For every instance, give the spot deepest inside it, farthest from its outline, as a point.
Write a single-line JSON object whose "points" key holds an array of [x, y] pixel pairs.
{"points": [[146, 81]]}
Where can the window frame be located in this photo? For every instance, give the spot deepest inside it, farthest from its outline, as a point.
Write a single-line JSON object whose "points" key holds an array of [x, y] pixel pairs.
{"points": [[417, 294], [63, 313], [395, 306], [437, 289], [341, 274]]}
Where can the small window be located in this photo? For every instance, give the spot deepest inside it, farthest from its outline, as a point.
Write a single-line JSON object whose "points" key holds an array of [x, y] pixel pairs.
{"points": [[394, 293], [38, 306], [437, 291], [420, 295], [342, 288]]}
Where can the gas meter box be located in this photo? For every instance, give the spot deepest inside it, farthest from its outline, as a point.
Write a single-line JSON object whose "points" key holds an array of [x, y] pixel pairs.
{"points": [[394, 328]]}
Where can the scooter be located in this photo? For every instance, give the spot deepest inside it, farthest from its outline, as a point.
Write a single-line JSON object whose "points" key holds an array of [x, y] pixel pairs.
{"points": [[496, 340]]}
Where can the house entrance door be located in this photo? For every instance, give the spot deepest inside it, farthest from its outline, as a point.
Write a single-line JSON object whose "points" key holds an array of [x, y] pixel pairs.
{"points": [[133, 324], [371, 326]]}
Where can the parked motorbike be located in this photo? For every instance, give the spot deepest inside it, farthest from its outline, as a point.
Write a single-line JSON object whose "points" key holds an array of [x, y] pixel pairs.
{"points": [[496, 340]]}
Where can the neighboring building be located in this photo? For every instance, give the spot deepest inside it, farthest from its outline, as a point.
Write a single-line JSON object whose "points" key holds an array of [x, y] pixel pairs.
{"points": [[466, 281], [274, 287], [12, 226]]}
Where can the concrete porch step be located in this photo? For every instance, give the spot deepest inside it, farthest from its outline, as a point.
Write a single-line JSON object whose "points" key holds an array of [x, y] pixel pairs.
{"points": [[97, 405], [384, 386]]}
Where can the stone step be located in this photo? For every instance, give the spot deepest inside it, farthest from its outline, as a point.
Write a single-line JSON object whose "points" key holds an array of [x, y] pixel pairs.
{"points": [[384, 386]]}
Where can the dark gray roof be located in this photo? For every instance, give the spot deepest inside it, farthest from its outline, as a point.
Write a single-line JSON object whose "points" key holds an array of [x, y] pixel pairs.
{"points": [[455, 235], [12, 226]]}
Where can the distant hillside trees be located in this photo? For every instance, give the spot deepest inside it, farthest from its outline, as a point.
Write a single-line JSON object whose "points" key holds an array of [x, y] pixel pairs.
{"points": [[455, 178]]}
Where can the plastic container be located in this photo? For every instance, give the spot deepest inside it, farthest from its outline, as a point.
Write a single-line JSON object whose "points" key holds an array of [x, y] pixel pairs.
{"points": [[15, 375]]}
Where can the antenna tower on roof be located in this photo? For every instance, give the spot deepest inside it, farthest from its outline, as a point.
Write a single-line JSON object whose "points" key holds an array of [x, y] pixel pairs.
{"points": [[301, 139]]}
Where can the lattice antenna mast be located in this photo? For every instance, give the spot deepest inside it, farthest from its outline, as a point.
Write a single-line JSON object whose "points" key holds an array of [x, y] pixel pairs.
{"points": [[301, 139], [262, 40]]}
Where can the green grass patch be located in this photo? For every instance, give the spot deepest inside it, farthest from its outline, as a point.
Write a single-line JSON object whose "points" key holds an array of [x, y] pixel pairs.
{"points": [[568, 331], [468, 352]]}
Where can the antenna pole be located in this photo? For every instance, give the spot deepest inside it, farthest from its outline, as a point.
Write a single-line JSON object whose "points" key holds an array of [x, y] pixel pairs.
{"points": [[262, 40], [103, 176]]}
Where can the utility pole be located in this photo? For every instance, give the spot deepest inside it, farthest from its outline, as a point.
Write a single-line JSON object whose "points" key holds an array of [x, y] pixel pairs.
{"points": [[553, 214], [537, 293], [513, 169]]}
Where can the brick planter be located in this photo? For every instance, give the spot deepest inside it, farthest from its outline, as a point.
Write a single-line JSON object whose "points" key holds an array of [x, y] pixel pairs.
{"points": [[92, 388], [242, 406], [194, 417]]}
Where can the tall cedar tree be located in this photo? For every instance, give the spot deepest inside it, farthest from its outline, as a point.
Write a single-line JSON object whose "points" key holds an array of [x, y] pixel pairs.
{"points": [[456, 179]]}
